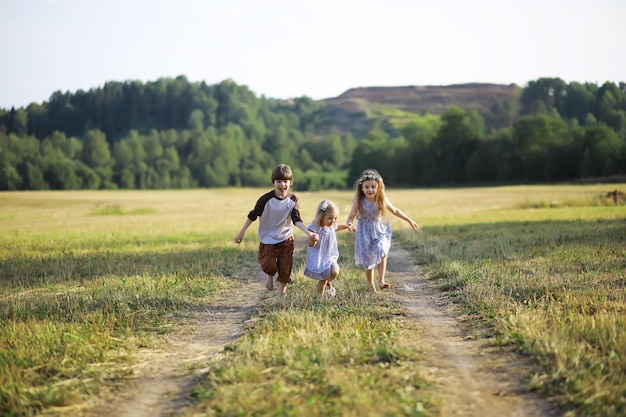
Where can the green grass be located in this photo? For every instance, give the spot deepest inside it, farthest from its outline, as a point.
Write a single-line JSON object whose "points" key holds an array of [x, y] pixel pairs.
{"points": [[542, 266], [81, 294], [551, 283], [115, 210], [352, 355], [71, 321]]}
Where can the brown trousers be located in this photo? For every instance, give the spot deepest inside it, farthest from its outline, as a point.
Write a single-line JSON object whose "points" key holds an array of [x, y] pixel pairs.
{"points": [[277, 257]]}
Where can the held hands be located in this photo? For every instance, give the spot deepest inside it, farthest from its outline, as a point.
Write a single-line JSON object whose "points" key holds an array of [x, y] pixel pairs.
{"points": [[313, 239], [351, 227]]}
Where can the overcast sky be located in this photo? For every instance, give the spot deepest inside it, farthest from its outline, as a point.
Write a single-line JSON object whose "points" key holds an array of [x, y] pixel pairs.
{"points": [[317, 48]]}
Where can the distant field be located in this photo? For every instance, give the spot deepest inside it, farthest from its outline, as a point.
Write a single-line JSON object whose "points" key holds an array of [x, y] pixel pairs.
{"points": [[89, 277]]}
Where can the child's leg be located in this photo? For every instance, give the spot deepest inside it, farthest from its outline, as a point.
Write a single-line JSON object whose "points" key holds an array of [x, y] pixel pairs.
{"points": [[284, 263], [324, 285], [369, 274], [382, 269], [282, 288], [334, 272], [330, 290], [267, 260], [321, 286]]}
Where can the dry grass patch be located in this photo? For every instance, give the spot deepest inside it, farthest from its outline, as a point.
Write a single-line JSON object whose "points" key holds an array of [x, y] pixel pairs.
{"points": [[348, 356], [550, 281], [80, 293]]}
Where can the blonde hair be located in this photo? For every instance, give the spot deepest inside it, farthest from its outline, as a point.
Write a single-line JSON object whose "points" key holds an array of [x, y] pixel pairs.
{"points": [[322, 208], [371, 175]]}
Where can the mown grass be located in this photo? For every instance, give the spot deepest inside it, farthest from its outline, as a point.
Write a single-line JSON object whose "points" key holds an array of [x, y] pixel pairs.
{"points": [[352, 355], [81, 293], [551, 281]]}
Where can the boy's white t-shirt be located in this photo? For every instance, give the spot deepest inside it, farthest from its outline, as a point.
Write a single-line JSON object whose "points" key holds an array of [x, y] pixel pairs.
{"points": [[276, 217]]}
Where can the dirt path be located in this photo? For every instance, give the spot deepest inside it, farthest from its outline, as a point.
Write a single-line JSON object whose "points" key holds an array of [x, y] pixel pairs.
{"points": [[163, 379], [472, 380]]}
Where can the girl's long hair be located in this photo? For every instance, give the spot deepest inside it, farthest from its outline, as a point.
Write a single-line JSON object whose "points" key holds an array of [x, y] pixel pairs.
{"points": [[371, 175], [322, 208]]}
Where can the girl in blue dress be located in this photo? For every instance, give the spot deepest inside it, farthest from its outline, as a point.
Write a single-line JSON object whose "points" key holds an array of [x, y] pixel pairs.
{"points": [[373, 234], [322, 252]]}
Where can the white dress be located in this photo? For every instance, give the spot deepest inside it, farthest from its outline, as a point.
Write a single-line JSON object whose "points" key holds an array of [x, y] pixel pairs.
{"points": [[324, 255]]}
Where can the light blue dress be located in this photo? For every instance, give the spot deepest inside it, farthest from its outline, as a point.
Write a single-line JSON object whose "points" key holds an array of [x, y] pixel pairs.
{"points": [[322, 258], [373, 237]]}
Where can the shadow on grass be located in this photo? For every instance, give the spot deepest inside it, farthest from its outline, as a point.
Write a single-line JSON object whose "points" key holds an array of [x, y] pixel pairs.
{"points": [[141, 287], [528, 239]]}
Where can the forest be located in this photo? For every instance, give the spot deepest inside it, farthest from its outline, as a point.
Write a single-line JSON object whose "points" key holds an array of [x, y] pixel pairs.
{"points": [[173, 133]]}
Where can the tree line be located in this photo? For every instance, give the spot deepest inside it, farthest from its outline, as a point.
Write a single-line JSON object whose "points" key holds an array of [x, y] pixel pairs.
{"points": [[173, 133]]}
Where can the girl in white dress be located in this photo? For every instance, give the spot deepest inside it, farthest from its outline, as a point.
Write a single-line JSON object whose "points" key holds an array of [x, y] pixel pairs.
{"points": [[373, 234], [322, 253]]}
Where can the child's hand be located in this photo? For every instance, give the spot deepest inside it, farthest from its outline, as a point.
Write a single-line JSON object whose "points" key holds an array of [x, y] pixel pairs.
{"points": [[313, 238], [351, 227]]}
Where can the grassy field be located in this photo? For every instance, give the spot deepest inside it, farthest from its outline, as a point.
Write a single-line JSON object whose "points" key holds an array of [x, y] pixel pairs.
{"points": [[90, 277]]}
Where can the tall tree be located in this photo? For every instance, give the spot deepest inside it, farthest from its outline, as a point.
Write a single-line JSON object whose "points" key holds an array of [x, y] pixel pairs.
{"points": [[458, 137], [97, 156], [10, 178], [581, 101], [540, 96], [419, 134], [604, 152], [535, 139]]}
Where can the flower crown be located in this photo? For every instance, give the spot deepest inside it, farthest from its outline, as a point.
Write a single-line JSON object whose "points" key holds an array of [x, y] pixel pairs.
{"points": [[324, 206], [366, 177]]}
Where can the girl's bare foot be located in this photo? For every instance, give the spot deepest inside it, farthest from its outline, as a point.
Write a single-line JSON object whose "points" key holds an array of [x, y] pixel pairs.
{"points": [[269, 283]]}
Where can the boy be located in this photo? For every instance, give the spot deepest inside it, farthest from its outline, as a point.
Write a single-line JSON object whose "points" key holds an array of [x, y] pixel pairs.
{"points": [[277, 212]]}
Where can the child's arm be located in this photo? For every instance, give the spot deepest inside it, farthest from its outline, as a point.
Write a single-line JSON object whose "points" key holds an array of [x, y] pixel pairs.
{"points": [[310, 233], [352, 216], [242, 232], [397, 212], [341, 227]]}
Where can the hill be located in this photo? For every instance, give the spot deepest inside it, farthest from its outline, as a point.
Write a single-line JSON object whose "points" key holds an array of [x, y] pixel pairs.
{"points": [[355, 109]]}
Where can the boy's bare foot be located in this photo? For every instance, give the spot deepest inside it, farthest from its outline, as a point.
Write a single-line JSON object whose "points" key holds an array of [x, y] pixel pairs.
{"points": [[269, 283], [282, 288]]}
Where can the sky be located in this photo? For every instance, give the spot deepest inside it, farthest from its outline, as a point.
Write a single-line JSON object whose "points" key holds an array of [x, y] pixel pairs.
{"points": [[315, 48]]}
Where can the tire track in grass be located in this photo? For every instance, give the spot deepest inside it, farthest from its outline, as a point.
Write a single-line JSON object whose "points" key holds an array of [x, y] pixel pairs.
{"points": [[163, 378], [471, 378]]}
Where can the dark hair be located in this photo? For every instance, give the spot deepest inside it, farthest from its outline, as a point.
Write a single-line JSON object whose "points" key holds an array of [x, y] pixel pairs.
{"points": [[282, 172]]}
